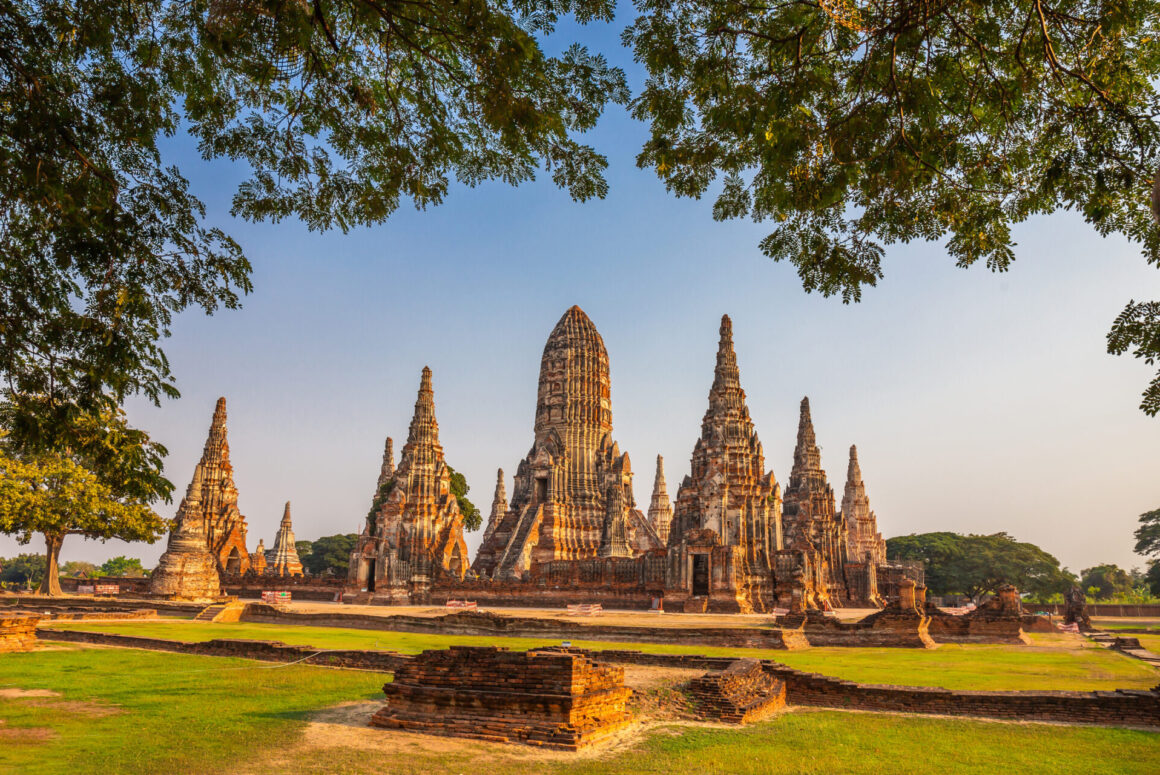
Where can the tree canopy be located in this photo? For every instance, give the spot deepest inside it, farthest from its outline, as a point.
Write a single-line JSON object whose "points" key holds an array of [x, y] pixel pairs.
{"points": [[472, 518], [23, 569], [55, 497], [330, 553], [1148, 534], [123, 567], [340, 109], [975, 565], [855, 125]]}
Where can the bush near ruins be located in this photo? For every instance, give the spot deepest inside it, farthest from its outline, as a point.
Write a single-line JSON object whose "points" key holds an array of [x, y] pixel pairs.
{"points": [[329, 553], [472, 519], [976, 565]]}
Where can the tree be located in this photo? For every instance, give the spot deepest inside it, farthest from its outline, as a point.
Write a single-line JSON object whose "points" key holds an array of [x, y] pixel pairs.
{"points": [[77, 568], [124, 567], [855, 125], [976, 565], [1109, 581], [330, 553], [472, 519], [304, 549], [1152, 577], [1148, 534], [341, 109], [52, 495], [24, 569]]}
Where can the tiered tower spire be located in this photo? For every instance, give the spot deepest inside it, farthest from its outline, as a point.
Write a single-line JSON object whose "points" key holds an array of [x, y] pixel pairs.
{"points": [[224, 525], [660, 509], [728, 493], [863, 539], [415, 532], [811, 524], [499, 506], [283, 560]]}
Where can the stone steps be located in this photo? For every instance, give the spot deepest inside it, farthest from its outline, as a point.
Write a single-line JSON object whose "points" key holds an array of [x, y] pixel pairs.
{"points": [[209, 613]]}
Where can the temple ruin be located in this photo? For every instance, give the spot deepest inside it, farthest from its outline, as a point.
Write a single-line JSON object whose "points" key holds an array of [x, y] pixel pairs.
{"points": [[188, 570], [727, 520], [573, 498], [225, 527], [414, 533]]}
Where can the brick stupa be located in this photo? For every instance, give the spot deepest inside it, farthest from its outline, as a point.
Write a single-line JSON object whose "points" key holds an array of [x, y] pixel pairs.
{"points": [[283, 560], [660, 508], [187, 570]]}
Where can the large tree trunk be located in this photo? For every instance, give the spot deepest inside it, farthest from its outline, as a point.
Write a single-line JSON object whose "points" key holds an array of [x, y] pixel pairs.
{"points": [[50, 584]]}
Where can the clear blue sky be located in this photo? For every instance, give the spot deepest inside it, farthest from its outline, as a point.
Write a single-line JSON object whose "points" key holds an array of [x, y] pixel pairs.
{"points": [[979, 402]]}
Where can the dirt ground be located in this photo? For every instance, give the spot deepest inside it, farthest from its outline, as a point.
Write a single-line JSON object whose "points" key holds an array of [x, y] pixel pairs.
{"points": [[611, 617], [346, 726]]}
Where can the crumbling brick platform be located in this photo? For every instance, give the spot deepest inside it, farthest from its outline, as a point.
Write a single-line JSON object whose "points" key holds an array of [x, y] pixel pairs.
{"points": [[740, 693], [17, 632], [545, 698]]}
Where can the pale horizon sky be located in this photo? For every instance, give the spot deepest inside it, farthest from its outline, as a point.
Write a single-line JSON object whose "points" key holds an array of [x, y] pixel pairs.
{"points": [[979, 402]]}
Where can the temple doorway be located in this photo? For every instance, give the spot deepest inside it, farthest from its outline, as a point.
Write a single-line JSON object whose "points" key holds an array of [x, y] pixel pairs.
{"points": [[371, 575], [700, 575], [542, 490], [234, 562]]}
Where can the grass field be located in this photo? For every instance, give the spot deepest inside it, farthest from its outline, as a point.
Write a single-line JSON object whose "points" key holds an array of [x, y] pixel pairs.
{"points": [[131, 711], [1052, 662]]}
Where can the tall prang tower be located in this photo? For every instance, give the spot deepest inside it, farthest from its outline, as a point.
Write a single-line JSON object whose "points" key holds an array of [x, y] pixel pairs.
{"points": [[572, 497], [811, 525], [414, 532], [727, 519], [224, 526]]}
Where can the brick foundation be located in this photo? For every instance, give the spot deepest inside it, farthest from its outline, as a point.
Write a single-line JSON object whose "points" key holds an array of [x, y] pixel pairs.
{"points": [[544, 698], [17, 632], [740, 693]]}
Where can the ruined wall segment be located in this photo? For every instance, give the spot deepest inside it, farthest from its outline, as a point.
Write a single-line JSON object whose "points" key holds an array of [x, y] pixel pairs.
{"points": [[414, 535]]}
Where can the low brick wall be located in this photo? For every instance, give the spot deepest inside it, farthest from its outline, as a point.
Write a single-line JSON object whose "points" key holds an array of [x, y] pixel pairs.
{"points": [[485, 623], [76, 604], [266, 651], [1122, 707]]}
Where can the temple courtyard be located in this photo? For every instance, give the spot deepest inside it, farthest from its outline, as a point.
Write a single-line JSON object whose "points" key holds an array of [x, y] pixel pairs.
{"points": [[71, 707]]}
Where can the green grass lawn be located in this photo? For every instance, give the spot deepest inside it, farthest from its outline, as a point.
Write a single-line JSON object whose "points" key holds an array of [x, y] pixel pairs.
{"points": [[1051, 662], [1127, 624], [132, 711]]}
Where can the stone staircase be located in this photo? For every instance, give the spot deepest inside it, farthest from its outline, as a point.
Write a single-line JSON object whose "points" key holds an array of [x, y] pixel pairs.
{"points": [[221, 612], [510, 557]]}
